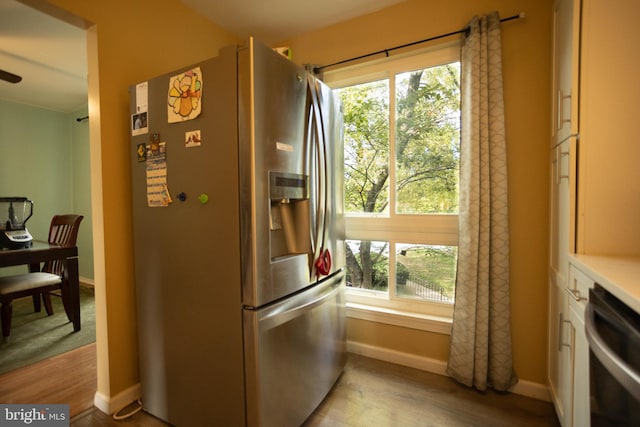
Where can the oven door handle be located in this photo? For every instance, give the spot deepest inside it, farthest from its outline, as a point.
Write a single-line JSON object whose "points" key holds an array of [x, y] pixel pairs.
{"points": [[621, 371]]}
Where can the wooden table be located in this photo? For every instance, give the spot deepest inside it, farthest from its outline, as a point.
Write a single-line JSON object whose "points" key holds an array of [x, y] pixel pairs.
{"points": [[42, 251]]}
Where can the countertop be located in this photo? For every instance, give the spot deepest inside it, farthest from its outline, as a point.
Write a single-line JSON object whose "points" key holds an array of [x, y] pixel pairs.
{"points": [[618, 275]]}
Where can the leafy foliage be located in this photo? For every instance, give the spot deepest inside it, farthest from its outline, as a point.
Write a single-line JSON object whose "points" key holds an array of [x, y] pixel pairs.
{"points": [[426, 160], [366, 142], [427, 140]]}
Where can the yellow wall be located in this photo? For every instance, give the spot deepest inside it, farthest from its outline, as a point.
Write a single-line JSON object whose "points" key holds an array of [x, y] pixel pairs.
{"points": [[527, 76], [138, 40]]}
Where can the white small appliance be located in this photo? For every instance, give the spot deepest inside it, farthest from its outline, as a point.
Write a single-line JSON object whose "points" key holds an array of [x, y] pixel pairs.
{"points": [[14, 213]]}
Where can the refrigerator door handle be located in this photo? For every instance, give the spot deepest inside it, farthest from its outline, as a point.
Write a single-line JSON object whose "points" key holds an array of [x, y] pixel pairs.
{"points": [[321, 256], [309, 151]]}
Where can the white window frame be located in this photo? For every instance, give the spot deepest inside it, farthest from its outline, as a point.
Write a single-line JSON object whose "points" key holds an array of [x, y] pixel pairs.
{"points": [[438, 229]]}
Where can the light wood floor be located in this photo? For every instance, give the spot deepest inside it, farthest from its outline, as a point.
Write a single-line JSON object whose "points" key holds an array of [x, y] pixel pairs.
{"points": [[69, 378], [369, 393], [373, 393]]}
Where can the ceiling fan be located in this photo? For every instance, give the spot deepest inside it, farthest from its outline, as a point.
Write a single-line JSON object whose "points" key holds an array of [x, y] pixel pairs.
{"points": [[9, 77]]}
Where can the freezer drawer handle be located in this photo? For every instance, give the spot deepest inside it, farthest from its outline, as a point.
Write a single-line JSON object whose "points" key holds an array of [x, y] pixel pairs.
{"points": [[277, 318]]}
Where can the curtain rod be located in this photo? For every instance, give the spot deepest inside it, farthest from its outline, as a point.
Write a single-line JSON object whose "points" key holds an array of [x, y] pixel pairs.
{"points": [[316, 70]]}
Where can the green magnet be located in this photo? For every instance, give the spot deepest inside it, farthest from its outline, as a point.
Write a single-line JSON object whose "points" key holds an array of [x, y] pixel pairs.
{"points": [[203, 198]]}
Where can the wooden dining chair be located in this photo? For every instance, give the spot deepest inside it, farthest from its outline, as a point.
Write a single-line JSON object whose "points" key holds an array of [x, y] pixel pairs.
{"points": [[63, 231]]}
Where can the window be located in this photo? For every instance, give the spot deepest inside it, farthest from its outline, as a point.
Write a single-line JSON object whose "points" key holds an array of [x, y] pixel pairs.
{"points": [[401, 147]]}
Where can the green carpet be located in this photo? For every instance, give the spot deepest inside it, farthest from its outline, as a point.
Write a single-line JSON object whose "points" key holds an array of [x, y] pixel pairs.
{"points": [[36, 336]]}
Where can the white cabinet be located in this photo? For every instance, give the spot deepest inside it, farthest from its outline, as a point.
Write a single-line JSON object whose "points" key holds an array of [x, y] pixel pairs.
{"points": [[562, 178], [566, 50], [562, 208], [578, 290], [569, 349], [560, 354], [562, 242], [595, 178]]}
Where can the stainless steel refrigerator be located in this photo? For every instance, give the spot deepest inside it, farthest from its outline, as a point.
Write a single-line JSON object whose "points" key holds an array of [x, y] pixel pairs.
{"points": [[236, 168]]}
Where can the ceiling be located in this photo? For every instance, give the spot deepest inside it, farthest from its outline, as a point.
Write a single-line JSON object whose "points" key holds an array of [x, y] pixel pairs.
{"points": [[273, 21], [47, 53], [50, 55]]}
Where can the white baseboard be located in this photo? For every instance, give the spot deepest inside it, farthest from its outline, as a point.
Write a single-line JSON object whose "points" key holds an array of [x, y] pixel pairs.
{"points": [[435, 366], [85, 281], [111, 405], [531, 389]]}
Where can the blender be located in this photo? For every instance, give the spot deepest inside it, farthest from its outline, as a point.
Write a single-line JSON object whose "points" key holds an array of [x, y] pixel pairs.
{"points": [[14, 213]]}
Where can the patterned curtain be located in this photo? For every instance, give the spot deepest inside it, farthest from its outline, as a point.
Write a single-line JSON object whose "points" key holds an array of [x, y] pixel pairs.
{"points": [[480, 352]]}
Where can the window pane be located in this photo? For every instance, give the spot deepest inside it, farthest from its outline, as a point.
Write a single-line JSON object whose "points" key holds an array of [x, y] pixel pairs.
{"points": [[428, 140], [426, 272], [368, 264], [366, 147]]}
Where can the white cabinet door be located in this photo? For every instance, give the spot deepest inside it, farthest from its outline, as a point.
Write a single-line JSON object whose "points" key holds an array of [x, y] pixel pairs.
{"points": [[562, 209], [579, 285], [566, 51], [562, 242], [563, 161], [560, 357], [581, 413]]}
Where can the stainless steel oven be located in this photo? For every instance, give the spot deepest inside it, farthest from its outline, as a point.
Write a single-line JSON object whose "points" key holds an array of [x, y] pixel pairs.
{"points": [[613, 332]]}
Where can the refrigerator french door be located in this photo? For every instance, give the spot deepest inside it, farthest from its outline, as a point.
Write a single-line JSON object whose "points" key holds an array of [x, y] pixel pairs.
{"points": [[238, 241]]}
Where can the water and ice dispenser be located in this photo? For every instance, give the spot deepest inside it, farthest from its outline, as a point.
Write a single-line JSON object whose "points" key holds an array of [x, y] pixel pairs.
{"points": [[289, 216], [14, 213]]}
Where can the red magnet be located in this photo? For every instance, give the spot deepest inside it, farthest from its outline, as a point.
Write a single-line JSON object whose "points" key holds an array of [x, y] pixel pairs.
{"points": [[323, 263]]}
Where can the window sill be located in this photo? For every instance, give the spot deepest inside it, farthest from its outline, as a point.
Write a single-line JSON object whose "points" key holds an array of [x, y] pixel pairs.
{"points": [[423, 322]]}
